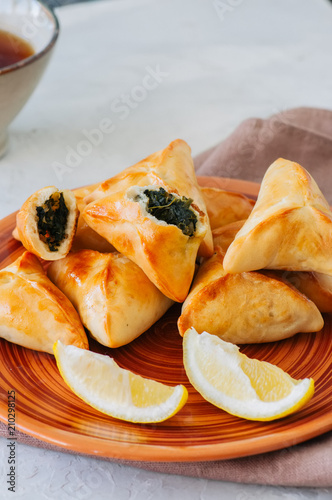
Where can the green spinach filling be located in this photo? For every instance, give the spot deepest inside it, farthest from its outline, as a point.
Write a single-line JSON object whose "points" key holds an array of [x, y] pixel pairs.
{"points": [[52, 221], [165, 206]]}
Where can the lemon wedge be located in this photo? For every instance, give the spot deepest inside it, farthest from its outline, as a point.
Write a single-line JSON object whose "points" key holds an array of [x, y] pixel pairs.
{"points": [[247, 388], [102, 384]]}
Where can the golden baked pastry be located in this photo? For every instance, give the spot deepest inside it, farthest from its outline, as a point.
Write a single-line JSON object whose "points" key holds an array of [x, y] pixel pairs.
{"points": [[290, 226], [173, 167], [134, 222], [223, 236], [246, 307], [86, 237], [15, 234], [316, 286], [225, 207], [46, 223], [114, 298], [33, 311]]}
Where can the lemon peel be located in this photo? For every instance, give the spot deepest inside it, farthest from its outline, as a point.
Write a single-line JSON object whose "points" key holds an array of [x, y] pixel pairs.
{"points": [[244, 387], [115, 391]]}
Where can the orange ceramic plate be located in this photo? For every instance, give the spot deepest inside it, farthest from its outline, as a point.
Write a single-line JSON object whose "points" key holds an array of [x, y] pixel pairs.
{"points": [[48, 410]]}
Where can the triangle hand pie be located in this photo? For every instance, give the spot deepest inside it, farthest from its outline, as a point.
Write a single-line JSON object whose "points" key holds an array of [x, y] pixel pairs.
{"points": [[46, 223], [289, 228], [156, 228], [85, 237], [172, 166], [33, 311], [114, 298], [246, 307]]}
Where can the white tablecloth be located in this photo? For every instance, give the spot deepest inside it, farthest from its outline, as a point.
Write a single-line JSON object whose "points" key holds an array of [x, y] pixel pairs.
{"points": [[127, 77]]}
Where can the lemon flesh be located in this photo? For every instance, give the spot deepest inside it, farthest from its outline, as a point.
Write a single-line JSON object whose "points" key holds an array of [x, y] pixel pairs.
{"points": [[117, 392], [247, 388]]}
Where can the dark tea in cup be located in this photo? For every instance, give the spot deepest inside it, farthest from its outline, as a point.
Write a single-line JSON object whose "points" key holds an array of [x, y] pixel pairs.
{"points": [[13, 49], [28, 33]]}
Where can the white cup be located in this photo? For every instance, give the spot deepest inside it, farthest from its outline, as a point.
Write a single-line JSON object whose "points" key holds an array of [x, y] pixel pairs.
{"points": [[37, 24]]}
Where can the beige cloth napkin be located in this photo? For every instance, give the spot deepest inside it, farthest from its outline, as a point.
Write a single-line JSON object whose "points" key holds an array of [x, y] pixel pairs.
{"points": [[303, 135]]}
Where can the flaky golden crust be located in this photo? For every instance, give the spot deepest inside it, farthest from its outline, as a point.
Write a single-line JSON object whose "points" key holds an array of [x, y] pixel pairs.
{"points": [[223, 236], [165, 254], [247, 307], [27, 228], [83, 192], [86, 237], [316, 286], [33, 311], [115, 299], [289, 228], [225, 207], [173, 166]]}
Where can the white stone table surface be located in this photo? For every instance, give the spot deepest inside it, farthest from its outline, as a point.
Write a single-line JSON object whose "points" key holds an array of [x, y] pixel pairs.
{"points": [[142, 73]]}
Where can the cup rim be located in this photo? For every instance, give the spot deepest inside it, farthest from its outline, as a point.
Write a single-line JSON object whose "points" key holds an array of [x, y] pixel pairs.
{"points": [[37, 55]]}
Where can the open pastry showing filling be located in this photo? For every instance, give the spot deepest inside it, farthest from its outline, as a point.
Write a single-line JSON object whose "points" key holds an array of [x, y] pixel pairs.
{"points": [[172, 167], [167, 207], [52, 221], [85, 237], [157, 228], [46, 223]]}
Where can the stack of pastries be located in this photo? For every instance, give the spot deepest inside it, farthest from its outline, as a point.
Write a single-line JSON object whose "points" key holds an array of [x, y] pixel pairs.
{"points": [[121, 252], [271, 274]]}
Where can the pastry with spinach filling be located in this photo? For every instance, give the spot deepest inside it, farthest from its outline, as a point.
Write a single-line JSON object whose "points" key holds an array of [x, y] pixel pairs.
{"points": [[156, 227], [85, 237], [52, 221], [46, 223], [171, 168], [171, 209]]}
